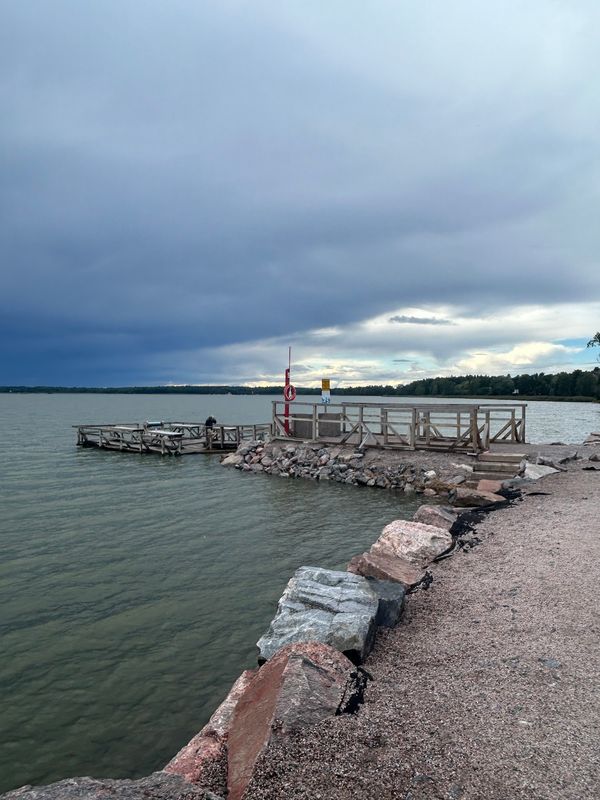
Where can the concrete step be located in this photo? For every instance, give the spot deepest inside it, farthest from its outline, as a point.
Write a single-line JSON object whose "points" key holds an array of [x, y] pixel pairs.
{"points": [[496, 466], [502, 457], [475, 477]]}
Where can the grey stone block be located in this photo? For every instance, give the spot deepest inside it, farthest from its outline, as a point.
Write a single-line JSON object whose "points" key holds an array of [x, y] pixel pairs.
{"points": [[336, 608]]}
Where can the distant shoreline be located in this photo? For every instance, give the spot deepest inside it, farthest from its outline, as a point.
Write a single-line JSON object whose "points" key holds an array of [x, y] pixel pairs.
{"points": [[375, 391]]}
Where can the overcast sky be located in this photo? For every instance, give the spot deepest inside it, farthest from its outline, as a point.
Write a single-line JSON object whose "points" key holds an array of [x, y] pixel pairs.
{"points": [[397, 189]]}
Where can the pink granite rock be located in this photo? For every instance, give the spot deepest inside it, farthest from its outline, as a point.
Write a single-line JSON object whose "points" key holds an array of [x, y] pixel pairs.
{"points": [[414, 542], [386, 568], [436, 516], [486, 485], [209, 744], [303, 683], [473, 497]]}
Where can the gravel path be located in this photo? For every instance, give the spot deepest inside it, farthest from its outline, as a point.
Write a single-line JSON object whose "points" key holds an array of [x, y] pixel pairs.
{"points": [[490, 687]]}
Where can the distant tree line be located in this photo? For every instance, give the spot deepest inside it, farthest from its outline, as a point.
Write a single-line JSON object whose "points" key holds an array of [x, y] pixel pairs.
{"points": [[579, 384], [576, 384]]}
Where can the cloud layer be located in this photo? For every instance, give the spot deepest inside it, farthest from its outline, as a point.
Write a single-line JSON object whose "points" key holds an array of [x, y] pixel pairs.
{"points": [[184, 188]]}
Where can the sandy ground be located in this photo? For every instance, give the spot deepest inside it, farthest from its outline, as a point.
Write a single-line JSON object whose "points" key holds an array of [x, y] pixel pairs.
{"points": [[490, 686]]}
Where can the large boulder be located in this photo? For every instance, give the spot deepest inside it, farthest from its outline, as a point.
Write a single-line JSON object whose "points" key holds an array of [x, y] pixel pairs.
{"points": [[233, 460], [415, 542], [387, 568], [488, 485], [300, 685], [322, 605], [472, 498], [436, 516], [209, 745], [390, 600], [158, 786]]}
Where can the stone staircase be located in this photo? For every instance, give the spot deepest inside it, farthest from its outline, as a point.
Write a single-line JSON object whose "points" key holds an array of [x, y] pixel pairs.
{"points": [[496, 466]]}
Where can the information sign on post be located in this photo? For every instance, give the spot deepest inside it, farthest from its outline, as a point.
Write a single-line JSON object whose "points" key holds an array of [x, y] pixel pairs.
{"points": [[326, 391]]}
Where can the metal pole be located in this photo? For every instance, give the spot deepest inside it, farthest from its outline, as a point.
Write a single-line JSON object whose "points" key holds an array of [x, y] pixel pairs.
{"points": [[286, 411]]}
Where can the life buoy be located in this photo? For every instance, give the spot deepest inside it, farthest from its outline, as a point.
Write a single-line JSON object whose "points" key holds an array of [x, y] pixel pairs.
{"points": [[289, 393]]}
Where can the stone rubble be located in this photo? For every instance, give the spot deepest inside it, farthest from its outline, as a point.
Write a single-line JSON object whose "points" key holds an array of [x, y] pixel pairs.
{"points": [[593, 438], [340, 464]]}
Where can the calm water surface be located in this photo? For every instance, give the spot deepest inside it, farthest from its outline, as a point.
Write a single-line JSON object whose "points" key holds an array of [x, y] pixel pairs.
{"points": [[133, 589]]}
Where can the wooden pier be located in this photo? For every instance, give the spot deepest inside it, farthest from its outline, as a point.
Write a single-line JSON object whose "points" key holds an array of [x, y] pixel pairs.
{"points": [[169, 438], [430, 426], [399, 426]]}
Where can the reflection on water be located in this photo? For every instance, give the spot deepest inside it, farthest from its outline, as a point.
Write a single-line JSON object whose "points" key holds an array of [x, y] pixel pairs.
{"points": [[133, 589]]}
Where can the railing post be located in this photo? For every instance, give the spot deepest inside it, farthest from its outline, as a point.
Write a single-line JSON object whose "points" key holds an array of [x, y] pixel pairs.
{"points": [[315, 422], [474, 429], [384, 426]]}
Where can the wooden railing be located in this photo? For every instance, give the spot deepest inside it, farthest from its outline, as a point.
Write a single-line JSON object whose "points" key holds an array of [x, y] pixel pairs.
{"points": [[402, 425], [168, 438]]}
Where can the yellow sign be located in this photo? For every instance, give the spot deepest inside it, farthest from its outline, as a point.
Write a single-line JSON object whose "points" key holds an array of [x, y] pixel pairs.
{"points": [[325, 385]]}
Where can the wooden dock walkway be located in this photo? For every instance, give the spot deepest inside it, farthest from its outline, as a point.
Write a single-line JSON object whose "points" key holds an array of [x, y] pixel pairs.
{"points": [[401, 426], [168, 438]]}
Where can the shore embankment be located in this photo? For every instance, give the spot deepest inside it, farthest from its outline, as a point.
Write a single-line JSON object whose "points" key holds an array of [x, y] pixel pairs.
{"points": [[489, 687]]}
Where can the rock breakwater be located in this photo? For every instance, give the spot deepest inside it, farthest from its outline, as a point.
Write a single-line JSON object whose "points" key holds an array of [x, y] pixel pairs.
{"points": [[343, 464]]}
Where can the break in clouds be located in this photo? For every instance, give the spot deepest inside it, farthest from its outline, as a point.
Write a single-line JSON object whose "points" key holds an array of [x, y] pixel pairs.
{"points": [[396, 189]]}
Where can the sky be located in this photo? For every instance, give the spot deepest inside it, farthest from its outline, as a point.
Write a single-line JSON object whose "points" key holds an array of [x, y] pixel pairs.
{"points": [[396, 189]]}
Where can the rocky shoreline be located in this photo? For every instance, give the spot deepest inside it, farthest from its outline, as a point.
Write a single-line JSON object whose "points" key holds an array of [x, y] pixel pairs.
{"points": [[327, 621], [345, 464]]}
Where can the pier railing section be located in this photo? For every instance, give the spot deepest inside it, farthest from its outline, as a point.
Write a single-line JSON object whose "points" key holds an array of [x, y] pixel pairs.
{"points": [[168, 438], [458, 426]]}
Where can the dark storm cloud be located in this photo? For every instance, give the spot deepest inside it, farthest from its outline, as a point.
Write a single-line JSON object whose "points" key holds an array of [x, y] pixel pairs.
{"points": [[184, 176]]}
